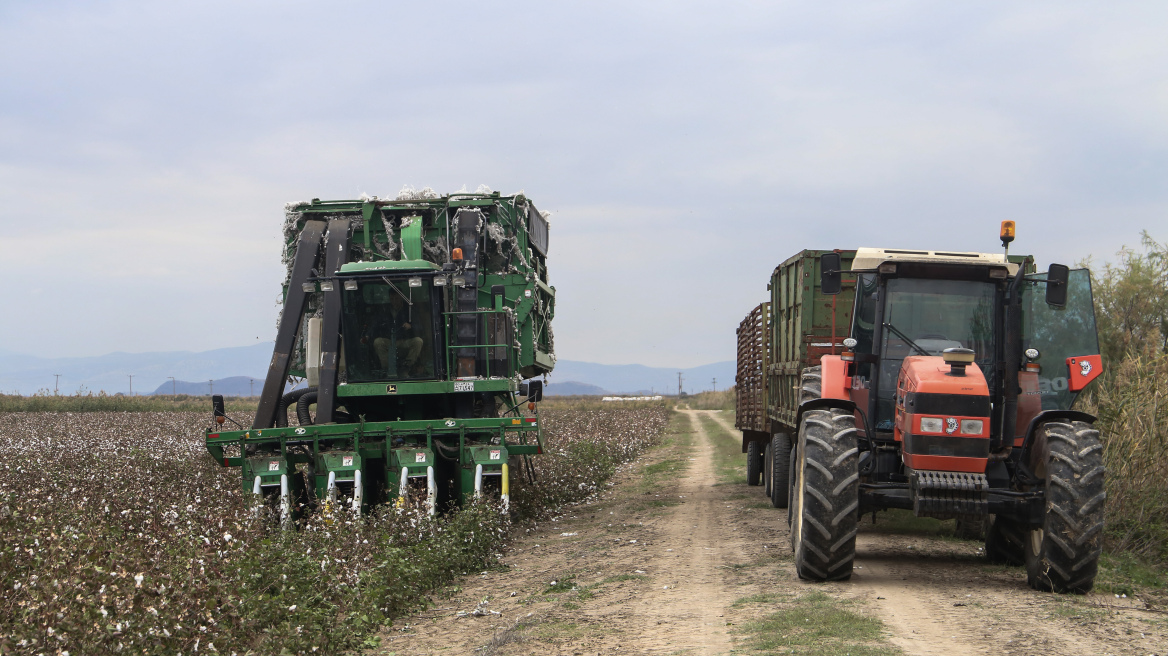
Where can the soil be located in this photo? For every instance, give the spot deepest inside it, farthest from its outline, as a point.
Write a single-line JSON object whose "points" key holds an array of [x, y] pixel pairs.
{"points": [[659, 571]]}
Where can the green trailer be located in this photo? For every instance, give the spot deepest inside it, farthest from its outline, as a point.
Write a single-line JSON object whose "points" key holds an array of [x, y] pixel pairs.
{"points": [[410, 332], [776, 341]]}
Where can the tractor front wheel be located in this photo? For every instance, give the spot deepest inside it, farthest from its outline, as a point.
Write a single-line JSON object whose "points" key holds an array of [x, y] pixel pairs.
{"points": [[753, 463], [1063, 554], [826, 500]]}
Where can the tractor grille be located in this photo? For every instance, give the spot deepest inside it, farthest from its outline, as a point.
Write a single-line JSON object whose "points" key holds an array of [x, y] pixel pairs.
{"points": [[946, 495]]}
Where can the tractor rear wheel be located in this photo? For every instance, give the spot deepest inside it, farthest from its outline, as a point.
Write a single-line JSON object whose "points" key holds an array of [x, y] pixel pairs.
{"points": [[753, 463], [826, 498], [1063, 555], [780, 468], [811, 384], [1004, 540]]}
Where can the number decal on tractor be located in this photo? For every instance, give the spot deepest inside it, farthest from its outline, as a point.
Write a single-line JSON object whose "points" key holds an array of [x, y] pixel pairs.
{"points": [[464, 386]]}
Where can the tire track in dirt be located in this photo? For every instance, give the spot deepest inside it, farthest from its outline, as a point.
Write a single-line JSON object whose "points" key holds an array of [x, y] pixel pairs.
{"points": [[659, 579]]}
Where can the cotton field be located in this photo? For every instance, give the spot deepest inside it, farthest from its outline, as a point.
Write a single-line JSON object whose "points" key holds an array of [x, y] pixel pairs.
{"points": [[120, 534]]}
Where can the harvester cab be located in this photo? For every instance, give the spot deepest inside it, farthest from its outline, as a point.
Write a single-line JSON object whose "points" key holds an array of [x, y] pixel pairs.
{"points": [[414, 323], [953, 398]]}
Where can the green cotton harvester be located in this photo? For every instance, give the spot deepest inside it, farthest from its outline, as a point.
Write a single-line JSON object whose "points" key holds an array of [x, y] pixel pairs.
{"points": [[416, 324]]}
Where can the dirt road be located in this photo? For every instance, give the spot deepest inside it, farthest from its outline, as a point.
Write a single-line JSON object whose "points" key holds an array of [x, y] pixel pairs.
{"points": [[673, 560]]}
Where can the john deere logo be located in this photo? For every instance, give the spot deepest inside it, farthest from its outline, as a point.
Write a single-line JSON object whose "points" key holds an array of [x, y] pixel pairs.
{"points": [[391, 389], [950, 425]]}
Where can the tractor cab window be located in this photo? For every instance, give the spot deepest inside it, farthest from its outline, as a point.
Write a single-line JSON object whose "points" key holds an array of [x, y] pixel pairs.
{"points": [[389, 330], [925, 317], [1058, 333]]}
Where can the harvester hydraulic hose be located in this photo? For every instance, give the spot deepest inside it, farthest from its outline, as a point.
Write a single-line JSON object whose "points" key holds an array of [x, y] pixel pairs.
{"points": [[287, 401], [305, 400]]}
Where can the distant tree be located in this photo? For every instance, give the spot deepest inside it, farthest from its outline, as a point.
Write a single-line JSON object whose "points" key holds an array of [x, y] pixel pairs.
{"points": [[1131, 301]]}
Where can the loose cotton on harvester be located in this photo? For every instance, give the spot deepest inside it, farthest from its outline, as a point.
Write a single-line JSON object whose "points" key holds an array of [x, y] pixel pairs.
{"points": [[415, 323]]}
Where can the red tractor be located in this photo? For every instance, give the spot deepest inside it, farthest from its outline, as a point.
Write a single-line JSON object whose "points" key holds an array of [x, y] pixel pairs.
{"points": [[952, 397]]}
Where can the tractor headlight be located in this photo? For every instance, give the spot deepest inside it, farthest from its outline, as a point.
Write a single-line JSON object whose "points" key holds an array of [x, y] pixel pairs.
{"points": [[350, 285], [326, 285], [971, 426], [932, 425], [308, 287]]}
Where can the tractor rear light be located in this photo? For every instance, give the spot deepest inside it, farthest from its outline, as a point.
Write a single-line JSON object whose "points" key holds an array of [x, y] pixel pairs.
{"points": [[848, 356], [326, 285], [440, 281], [972, 426], [213, 436], [350, 285], [1033, 367], [308, 287], [415, 282], [932, 425]]}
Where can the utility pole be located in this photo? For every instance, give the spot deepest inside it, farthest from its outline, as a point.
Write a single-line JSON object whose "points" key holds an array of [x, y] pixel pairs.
{"points": [[56, 383], [131, 384], [251, 387], [679, 392], [211, 384], [715, 384], [173, 388]]}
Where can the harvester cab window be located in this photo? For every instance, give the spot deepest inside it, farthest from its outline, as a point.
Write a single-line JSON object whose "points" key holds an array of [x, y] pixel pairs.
{"points": [[388, 330], [925, 317], [1058, 333]]}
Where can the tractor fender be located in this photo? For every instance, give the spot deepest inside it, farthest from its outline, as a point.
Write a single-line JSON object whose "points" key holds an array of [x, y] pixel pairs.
{"points": [[820, 404], [836, 384], [1043, 417]]}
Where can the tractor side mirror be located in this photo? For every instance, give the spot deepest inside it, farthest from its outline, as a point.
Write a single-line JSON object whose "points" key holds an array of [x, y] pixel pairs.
{"points": [[1056, 285], [217, 408], [830, 276], [532, 390]]}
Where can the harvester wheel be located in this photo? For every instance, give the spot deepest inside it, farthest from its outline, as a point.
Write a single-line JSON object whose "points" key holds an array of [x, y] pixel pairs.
{"points": [[1004, 540], [780, 468], [767, 476], [1063, 555], [753, 463], [826, 496], [811, 387]]}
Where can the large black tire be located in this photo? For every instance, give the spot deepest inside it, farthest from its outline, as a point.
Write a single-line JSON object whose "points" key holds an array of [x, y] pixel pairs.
{"points": [[780, 469], [811, 384], [1063, 555], [766, 470], [826, 501], [1004, 541], [753, 463], [969, 528]]}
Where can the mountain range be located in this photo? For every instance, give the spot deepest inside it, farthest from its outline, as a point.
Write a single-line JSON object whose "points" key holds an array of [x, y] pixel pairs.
{"points": [[240, 371]]}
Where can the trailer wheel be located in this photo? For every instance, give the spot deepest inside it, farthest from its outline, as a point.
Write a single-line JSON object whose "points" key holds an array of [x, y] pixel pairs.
{"points": [[767, 477], [754, 463], [780, 469], [1063, 555], [826, 496], [1004, 540]]}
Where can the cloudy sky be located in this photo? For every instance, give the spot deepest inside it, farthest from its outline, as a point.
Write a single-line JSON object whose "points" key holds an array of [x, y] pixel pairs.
{"points": [[147, 149]]}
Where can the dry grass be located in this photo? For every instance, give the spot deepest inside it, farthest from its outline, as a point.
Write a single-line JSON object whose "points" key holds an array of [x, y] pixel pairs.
{"points": [[1132, 405]]}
